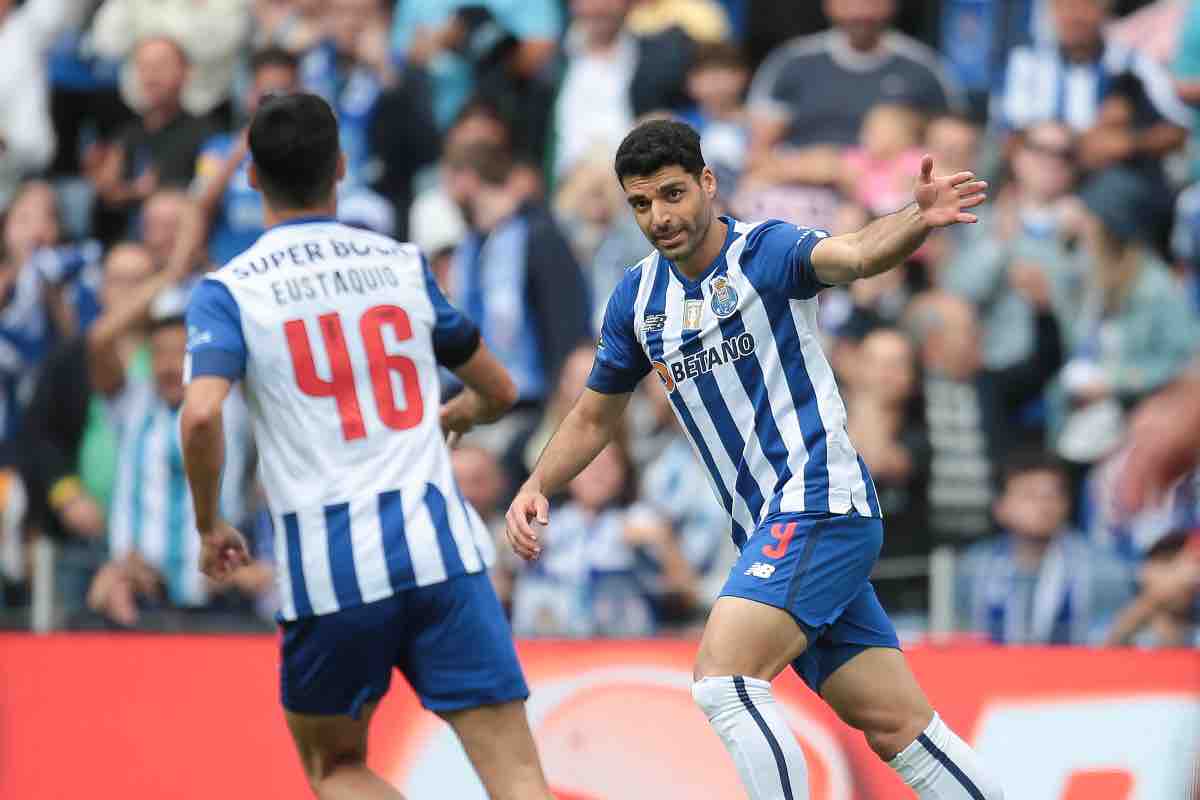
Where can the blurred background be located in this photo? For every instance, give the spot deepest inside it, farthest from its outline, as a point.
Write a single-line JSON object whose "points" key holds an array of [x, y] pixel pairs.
{"points": [[1025, 390]]}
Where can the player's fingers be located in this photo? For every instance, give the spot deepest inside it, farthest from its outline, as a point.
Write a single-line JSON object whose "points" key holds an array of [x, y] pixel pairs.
{"points": [[452, 439], [968, 219], [970, 201], [522, 548], [927, 169], [973, 187], [542, 506], [518, 528], [960, 178]]}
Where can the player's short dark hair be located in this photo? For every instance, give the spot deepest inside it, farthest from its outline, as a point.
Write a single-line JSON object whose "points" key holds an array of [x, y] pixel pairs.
{"points": [[273, 56], [656, 144], [1026, 458], [294, 146]]}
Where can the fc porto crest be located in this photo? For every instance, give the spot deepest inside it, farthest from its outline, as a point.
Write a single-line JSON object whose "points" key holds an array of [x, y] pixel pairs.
{"points": [[724, 297]]}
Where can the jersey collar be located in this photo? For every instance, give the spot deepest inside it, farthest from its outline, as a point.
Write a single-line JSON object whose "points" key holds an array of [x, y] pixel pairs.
{"points": [[302, 221]]}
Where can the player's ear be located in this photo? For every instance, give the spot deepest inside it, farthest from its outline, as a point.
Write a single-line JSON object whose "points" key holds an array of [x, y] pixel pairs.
{"points": [[341, 166], [252, 175], [708, 182]]}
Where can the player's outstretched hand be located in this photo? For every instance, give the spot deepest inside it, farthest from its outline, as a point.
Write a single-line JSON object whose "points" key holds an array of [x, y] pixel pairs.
{"points": [[944, 200], [527, 508], [222, 550]]}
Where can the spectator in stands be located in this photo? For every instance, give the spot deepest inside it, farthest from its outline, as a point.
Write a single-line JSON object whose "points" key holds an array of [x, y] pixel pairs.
{"points": [[969, 409], [294, 25], [152, 540], [717, 84], [159, 149], [26, 134], [515, 274], [886, 422], [1166, 611], [613, 77], [1070, 81], [384, 110], [1185, 240], [572, 380], [28, 303], [591, 581], [168, 230], [953, 141], [458, 43], [209, 34], [1040, 582], [230, 209], [1020, 230], [483, 484], [1187, 76], [69, 445], [1133, 331], [878, 173], [817, 90]]}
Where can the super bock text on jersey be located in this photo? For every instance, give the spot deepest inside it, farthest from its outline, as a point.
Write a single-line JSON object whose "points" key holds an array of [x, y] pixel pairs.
{"points": [[738, 354]]}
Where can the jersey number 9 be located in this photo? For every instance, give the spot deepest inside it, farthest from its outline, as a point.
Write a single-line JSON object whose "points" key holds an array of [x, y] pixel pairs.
{"points": [[341, 384]]}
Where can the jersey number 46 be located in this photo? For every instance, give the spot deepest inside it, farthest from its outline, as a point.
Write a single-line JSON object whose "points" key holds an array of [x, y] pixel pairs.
{"points": [[341, 383]]}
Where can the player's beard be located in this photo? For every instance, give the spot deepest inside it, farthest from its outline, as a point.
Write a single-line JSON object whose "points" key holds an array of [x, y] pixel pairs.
{"points": [[694, 230]]}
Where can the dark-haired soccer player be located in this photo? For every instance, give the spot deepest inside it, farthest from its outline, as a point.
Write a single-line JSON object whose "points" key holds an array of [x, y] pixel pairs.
{"points": [[337, 334], [726, 313]]}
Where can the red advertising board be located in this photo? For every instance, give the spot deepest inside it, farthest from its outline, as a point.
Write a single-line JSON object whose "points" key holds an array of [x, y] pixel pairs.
{"points": [[198, 717]]}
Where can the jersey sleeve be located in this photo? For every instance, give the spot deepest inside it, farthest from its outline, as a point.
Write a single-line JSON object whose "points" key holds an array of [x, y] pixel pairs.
{"points": [[781, 253], [216, 345], [620, 361], [455, 336]]}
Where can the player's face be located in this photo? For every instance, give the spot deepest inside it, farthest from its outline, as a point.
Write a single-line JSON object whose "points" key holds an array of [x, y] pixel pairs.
{"points": [[168, 347], [673, 209]]}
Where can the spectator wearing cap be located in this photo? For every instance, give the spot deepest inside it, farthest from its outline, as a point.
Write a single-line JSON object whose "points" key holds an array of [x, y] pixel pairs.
{"points": [[153, 546], [1134, 329], [1019, 231], [211, 34], [158, 149], [1072, 80]]}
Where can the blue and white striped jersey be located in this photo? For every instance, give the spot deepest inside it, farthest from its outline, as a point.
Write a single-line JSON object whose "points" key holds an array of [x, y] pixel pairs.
{"points": [[338, 333], [738, 353]]}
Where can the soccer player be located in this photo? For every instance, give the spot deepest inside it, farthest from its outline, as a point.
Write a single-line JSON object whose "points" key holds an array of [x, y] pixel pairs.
{"points": [[725, 312], [337, 334]]}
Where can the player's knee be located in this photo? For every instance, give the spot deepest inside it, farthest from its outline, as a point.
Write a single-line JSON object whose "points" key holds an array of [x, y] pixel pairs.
{"points": [[887, 730], [320, 768]]}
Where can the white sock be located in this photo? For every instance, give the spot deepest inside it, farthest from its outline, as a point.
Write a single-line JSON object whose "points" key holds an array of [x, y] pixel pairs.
{"points": [[744, 714], [941, 766]]}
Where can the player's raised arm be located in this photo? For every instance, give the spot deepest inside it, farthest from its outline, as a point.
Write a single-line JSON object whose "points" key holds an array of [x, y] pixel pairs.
{"points": [[888, 241], [587, 429]]}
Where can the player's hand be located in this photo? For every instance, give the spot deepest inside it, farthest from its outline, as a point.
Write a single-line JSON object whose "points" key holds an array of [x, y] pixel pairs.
{"points": [[944, 200], [527, 507], [222, 550]]}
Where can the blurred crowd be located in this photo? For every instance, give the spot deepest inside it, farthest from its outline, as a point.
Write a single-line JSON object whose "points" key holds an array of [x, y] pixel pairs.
{"points": [[1000, 385]]}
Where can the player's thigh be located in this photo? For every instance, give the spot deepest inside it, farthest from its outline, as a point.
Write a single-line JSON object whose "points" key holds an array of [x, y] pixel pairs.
{"points": [[876, 692], [459, 651], [325, 742], [499, 743], [747, 637]]}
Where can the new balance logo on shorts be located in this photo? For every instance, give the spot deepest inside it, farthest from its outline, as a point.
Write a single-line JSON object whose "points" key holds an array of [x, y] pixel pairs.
{"points": [[761, 570]]}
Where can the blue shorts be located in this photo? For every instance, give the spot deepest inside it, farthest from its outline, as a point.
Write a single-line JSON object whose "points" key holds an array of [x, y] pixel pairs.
{"points": [[450, 640], [816, 567]]}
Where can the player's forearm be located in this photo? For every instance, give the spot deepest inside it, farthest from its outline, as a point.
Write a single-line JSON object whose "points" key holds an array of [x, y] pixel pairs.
{"points": [[203, 440], [888, 242], [578, 440]]}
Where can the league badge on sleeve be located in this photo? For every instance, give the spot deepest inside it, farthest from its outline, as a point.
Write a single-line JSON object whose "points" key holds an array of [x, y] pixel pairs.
{"points": [[724, 297]]}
